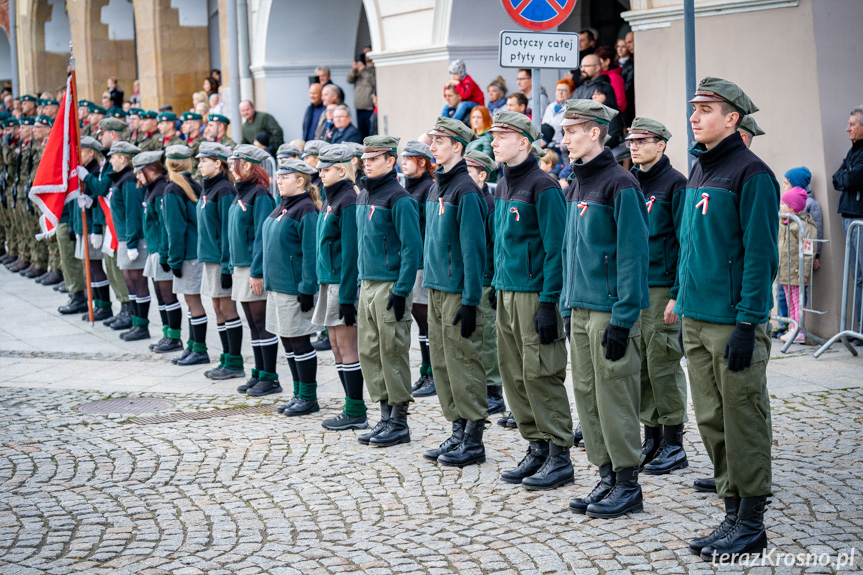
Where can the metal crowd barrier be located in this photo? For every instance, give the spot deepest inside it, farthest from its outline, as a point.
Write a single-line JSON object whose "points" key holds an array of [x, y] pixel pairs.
{"points": [[854, 327], [805, 247]]}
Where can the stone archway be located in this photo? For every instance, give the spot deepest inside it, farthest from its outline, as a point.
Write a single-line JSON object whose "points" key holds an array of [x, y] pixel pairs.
{"points": [[43, 45]]}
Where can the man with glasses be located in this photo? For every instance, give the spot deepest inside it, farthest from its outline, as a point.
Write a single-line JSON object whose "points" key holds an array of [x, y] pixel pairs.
{"points": [[663, 385], [524, 79], [345, 131], [591, 72]]}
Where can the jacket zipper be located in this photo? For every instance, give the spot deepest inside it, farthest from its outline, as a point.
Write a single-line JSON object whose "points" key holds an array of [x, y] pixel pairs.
{"points": [[529, 268], [449, 255], [386, 254], [332, 264], [607, 279], [665, 252], [293, 275], [730, 285], [681, 294]]}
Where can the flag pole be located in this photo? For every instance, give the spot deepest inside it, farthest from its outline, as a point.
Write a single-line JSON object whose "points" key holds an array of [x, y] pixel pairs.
{"points": [[77, 136]]}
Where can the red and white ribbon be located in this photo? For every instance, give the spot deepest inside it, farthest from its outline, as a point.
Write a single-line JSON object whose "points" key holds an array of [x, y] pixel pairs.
{"points": [[203, 202], [284, 211], [440, 212], [650, 203], [514, 211], [329, 211], [241, 204], [705, 199], [371, 211], [583, 207]]}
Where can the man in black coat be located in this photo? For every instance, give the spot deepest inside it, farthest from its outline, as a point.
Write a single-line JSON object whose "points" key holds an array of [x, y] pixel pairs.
{"points": [[848, 181]]}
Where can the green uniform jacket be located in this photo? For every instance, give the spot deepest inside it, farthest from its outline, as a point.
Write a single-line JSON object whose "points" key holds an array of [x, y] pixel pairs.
{"points": [[174, 140], [212, 209], [290, 246], [482, 143], [179, 224], [531, 216], [728, 236], [149, 142], [663, 188], [194, 143], [488, 273], [455, 244], [419, 188], [124, 189], [228, 142], [153, 204], [95, 217], [605, 250], [250, 208], [263, 122], [337, 240], [388, 232]]}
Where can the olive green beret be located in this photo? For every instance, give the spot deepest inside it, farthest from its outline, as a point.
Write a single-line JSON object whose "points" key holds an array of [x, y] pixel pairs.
{"points": [[454, 129], [376, 145], [581, 111], [748, 124], [507, 121], [478, 159], [647, 128], [719, 90]]}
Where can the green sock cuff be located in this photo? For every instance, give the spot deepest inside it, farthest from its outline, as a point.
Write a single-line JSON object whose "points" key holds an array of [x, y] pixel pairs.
{"points": [[256, 373], [355, 407], [199, 347], [189, 343], [102, 304], [165, 329], [143, 322], [221, 360], [267, 376], [296, 387], [423, 368], [429, 370], [309, 391], [233, 361], [172, 333]]}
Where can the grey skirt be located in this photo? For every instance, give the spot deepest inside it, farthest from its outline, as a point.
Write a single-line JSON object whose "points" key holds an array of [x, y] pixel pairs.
{"points": [[190, 283], [153, 269], [79, 249], [421, 294], [240, 291], [211, 282], [284, 317], [327, 308], [123, 261]]}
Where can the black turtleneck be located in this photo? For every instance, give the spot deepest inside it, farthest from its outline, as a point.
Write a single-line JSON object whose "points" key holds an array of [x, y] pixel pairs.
{"points": [[294, 207], [382, 191], [661, 181], [339, 196], [523, 182], [599, 180]]}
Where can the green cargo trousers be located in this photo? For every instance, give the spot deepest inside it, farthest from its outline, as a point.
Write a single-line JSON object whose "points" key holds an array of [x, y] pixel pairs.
{"points": [[115, 278], [384, 344], [732, 408], [459, 374], [607, 393], [533, 374], [489, 340], [73, 268], [663, 384]]}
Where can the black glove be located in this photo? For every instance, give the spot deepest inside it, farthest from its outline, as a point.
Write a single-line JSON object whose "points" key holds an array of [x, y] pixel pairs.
{"points": [[567, 326], [466, 314], [397, 304], [227, 281], [70, 231], [741, 343], [545, 323], [615, 339], [307, 302], [165, 267], [178, 272], [680, 340], [348, 312], [492, 299]]}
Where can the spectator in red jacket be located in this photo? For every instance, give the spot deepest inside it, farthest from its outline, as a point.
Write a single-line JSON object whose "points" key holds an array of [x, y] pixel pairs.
{"points": [[470, 93], [612, 69]]}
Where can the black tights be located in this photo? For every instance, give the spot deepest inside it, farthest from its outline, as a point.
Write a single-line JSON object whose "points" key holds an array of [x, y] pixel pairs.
{"points": [[265, 345]]}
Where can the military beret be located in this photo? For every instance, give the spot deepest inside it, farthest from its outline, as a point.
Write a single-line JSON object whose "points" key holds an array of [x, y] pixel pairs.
{"points": [[45, 121], [517, 122], [178, 152], [50, 102], [123, 147], [135, 111], [84, 103], [581, 111], [116, 112], [213, 150], [10, 123], [112, 124], [287, 151], [313, 147], [94, 109], [148, 115], [92, 143], [416, 148], [167, 117], [647, 128], [218, 118], [39, 102], [748, 124], [374, 146], [537, 150], [28, 98], [480, 160], [719, 90], [186, 116], [27, 121], [454, 129], [334, 154], [249, 153], [355, 148], [140, 161], [292, 165]]}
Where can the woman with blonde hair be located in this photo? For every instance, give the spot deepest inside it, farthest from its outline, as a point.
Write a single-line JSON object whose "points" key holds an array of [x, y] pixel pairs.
{"points": [[337, 272], [179, 249], [291, 280], [251, 207]]}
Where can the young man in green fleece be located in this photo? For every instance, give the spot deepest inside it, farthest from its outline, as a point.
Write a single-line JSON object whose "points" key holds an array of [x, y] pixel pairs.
{"points": [[605, 285], [728, 260], [388, 233], [454, 261], [528, 277]]}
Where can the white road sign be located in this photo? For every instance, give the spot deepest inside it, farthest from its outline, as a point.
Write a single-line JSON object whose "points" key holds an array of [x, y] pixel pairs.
{"points": [[538, 49]]}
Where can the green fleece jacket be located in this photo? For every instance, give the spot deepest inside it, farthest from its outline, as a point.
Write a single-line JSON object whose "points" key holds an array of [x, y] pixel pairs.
{"points": [[337, 240], [179, 225]]}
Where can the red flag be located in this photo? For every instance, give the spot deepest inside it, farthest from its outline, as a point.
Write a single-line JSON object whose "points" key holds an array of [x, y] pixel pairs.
{"points": [[56, 180], [110, 236]]}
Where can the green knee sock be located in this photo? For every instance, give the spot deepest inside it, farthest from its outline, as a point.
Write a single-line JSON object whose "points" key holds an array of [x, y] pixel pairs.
{"points": [[354, 407], [309, 391]]}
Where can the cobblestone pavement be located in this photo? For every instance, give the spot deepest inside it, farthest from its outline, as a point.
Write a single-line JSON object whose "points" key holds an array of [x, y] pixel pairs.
{"points": [[261, 493]]}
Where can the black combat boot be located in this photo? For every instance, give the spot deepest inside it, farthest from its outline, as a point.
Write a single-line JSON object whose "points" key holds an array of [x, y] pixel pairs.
{"points": [[495, 399], [427, 389], [556, 471], [578, 436], [451, 443], [323, 342], [746, 536], [471, 450], [732, 504], [502, 421], [124, 307], [77, 303], [396, 430], [537, 453], [379, 426], [123, 320], [606, 483], [138, 332], [625, 497], [705, 485], [652, 443], [419, 383], [671, 456]]}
